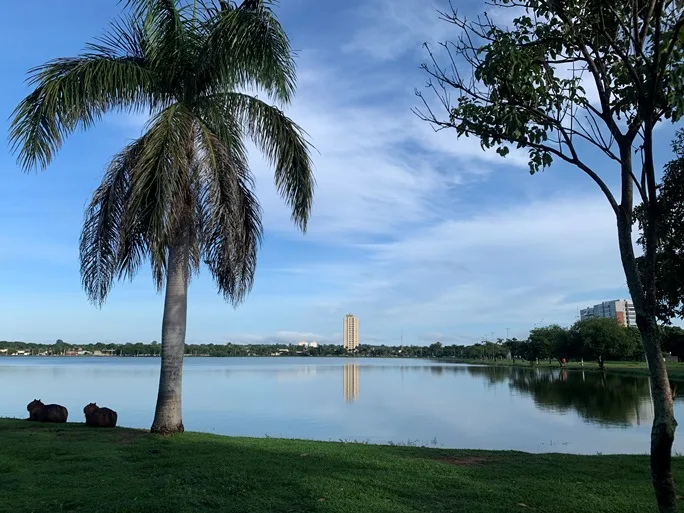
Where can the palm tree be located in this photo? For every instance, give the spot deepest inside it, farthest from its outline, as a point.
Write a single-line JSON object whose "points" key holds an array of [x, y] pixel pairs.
{"points": [[181, 193]]}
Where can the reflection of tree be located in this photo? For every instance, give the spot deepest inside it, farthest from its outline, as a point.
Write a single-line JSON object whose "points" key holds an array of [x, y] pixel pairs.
{"points": [[351, 382], [496, 374], [597, 397]]}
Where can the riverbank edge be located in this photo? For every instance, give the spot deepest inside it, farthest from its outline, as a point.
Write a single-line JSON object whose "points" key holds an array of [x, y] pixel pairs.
{"points": [[675, 370], [64, 466]]}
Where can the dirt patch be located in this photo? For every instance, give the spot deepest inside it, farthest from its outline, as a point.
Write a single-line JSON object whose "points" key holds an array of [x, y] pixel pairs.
{"points": [[465, 461]]}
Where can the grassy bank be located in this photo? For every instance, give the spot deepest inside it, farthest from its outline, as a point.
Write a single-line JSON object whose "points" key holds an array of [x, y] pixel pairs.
{"points": [[74, 468], [674, 369]]}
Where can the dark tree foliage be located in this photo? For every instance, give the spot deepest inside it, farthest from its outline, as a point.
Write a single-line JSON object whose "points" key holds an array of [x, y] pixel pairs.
{"points": [[670, 252]]}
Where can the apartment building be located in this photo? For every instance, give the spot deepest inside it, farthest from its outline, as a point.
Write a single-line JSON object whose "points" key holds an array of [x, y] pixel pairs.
{"points": [[350, 332], [620, 309]]}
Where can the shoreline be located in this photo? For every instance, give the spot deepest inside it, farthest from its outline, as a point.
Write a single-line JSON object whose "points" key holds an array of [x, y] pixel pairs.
{"points": [[627, 368], [675, 370]]}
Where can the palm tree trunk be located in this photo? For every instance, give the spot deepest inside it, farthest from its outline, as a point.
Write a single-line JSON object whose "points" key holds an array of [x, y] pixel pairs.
{"points": [[168, 415]]}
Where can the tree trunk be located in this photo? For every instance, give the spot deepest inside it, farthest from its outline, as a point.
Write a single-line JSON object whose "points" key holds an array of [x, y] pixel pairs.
{"points": [[168, 413], [664, 423]]}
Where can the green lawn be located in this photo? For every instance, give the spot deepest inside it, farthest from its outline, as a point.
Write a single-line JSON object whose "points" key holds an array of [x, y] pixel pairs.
{"points": [[674, 369], [54, 468]]}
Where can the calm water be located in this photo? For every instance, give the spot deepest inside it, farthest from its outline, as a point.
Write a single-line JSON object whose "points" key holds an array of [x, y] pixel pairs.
{"points": [[376, 400]]}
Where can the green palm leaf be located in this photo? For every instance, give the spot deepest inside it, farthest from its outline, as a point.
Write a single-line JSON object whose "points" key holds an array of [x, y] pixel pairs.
{"points": [[281, 140], [161, 201], [76, 92], [100, 244], [247, 48], [231, 230]]}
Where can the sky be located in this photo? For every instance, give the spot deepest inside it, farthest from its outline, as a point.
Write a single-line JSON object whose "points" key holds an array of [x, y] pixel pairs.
{"points": [[421, 235]]}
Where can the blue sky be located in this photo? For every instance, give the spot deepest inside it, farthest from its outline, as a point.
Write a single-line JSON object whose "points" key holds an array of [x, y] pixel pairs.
{"points": [[413, 231]]}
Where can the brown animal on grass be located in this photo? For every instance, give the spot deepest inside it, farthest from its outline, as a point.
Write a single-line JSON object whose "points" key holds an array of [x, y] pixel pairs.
{"points": [[40, 412], [99, 417]]}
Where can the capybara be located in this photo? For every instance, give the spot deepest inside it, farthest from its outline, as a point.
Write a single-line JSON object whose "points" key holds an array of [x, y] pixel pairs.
{"points": [[46, 412], [99, 417]]}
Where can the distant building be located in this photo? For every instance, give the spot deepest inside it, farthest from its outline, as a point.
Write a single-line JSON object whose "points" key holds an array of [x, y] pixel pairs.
{"points": [[350, 332], [620, 309], [307, 344]]}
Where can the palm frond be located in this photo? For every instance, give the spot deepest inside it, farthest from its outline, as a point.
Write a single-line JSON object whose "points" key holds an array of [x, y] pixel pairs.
{"points": [[125, 38], [161, 200], [188, 173], [168, 28], [231, 223], [151, 10], [165, 25], [247, 48], [101, 244], [283, 142], [208, 9], [75, 92], [198, 215]]}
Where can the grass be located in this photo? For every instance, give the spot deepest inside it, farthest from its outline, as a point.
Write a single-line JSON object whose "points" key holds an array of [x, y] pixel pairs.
{"points": [[70, 467], [675, 370]]}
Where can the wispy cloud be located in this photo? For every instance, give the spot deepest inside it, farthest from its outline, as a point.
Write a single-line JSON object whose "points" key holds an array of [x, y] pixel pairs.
{"points": [[513, 266], [389, 29], [379, 168]]}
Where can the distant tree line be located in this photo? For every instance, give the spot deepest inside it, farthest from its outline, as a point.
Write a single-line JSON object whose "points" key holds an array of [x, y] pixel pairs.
{"points": [[230, 349], [595, 339]]}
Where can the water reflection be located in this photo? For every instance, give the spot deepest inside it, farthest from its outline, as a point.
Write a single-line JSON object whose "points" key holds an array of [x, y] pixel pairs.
{"points": [[606, 399], [493, 375], [351, 382], [460, 406]]}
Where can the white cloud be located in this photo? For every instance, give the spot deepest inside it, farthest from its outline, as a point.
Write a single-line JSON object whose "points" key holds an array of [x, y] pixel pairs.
{"points": [[392, 28], [379, 168], [517, 266]]}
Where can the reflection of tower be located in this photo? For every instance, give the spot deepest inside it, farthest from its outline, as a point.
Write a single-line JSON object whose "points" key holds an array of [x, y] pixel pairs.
{"points": [[351, 382]]}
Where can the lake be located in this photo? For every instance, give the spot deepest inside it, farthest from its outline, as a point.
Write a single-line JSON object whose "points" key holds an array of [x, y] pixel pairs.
{"points": [[369, 400]]}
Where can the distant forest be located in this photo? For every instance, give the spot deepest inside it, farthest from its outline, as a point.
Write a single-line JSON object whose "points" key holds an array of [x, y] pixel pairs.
{"points": [[595, 339], [154, 349]]}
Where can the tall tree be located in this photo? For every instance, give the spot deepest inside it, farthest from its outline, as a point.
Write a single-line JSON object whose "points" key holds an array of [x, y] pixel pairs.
{"points": [[541, 341], [522, 85], [182, 193], [602, 339]]}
